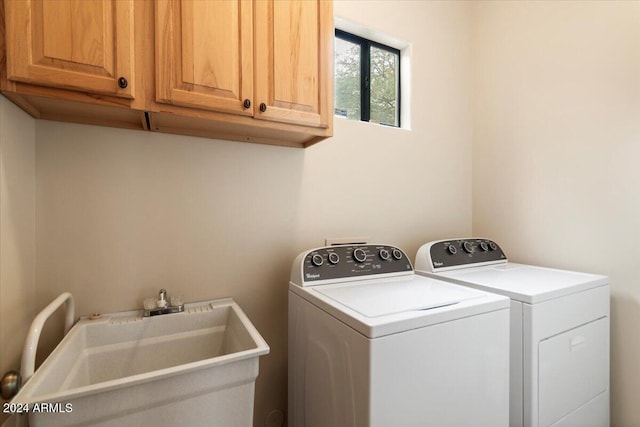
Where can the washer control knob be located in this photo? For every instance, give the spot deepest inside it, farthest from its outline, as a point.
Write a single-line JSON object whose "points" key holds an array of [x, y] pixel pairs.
{"points": [[384, 254], [359, 255], [397, 253], [333, 258], [317, 260], [452, 249], [493, 246], [484, 247], [468, 247]]}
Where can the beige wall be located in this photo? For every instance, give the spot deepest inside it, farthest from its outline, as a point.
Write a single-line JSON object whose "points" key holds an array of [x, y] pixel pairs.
{"points": [[555, 131], [556, 151], [122, 213], [17, 232]]}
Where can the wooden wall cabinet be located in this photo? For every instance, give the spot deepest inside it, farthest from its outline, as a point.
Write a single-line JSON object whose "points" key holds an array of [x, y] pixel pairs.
{"points": [[247, 70], [204, 54], [291, 66], [73, 44]]}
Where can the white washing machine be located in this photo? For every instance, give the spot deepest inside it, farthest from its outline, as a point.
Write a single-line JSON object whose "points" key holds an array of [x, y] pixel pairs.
{"points": [[559, 330], [373, 344]]}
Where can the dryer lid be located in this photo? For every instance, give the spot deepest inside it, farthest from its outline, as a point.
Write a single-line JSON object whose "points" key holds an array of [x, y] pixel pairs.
{"points": [[382, 298], [526, 283]]}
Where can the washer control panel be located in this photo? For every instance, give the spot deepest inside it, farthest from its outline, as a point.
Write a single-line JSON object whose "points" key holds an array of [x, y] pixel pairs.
{"points": [[463, 252], [350, 261]]}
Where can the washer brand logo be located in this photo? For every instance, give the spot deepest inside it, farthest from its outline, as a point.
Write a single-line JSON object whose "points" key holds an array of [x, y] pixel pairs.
{"points": [[312, 276], [437, 264]]}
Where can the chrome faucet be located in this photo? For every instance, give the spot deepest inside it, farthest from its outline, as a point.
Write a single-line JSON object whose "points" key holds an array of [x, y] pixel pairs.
{"points": [[162, 298], [153, 307]]}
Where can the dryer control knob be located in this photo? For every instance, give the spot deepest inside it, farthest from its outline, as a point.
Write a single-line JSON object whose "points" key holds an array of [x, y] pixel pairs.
{"points": [[484, 247], [384, 254], [397, 254], [493, 246], [452, 249], [359, 255], [468, 247]]}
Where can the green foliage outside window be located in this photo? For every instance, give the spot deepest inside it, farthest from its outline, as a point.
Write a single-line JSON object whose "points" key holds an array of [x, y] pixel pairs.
{"points": [[383, 79], [347, 79], [384, 93]]}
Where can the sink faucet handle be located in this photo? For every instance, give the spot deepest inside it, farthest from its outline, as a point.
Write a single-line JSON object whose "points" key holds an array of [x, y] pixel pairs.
{"points": [[162, 298], [150, 303], [176, 300]]}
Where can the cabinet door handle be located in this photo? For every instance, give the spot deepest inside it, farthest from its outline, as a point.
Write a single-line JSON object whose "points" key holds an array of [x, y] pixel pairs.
{"points": [[246, 103], [123, 83], [263, 107]]}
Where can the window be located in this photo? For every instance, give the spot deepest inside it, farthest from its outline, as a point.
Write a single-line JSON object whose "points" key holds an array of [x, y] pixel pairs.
{"points": [[367, 80]]}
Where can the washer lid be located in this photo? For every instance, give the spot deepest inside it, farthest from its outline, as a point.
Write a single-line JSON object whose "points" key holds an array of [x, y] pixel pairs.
{"points": [[380, 307], [385, 298]]}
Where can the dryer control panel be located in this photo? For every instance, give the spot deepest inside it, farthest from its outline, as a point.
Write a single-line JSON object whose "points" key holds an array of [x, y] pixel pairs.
{"points": [[458, 253], [352, 261]]}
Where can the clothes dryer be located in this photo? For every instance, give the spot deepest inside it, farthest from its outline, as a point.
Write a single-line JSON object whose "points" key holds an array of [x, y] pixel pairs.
{"points": [[373, 344], [559, 330]]}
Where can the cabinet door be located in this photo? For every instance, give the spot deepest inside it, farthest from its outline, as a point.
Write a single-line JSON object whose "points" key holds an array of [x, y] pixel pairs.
{"points": [[293, 62], [204, 54], [72, 44]]}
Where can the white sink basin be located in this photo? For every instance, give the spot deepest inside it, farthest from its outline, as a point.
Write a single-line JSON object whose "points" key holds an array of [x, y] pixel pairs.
{"points": [[192, 368]]}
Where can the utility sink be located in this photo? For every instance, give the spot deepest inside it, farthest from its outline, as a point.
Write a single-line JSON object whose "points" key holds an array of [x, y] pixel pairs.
{"points": [[197, 367]]}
